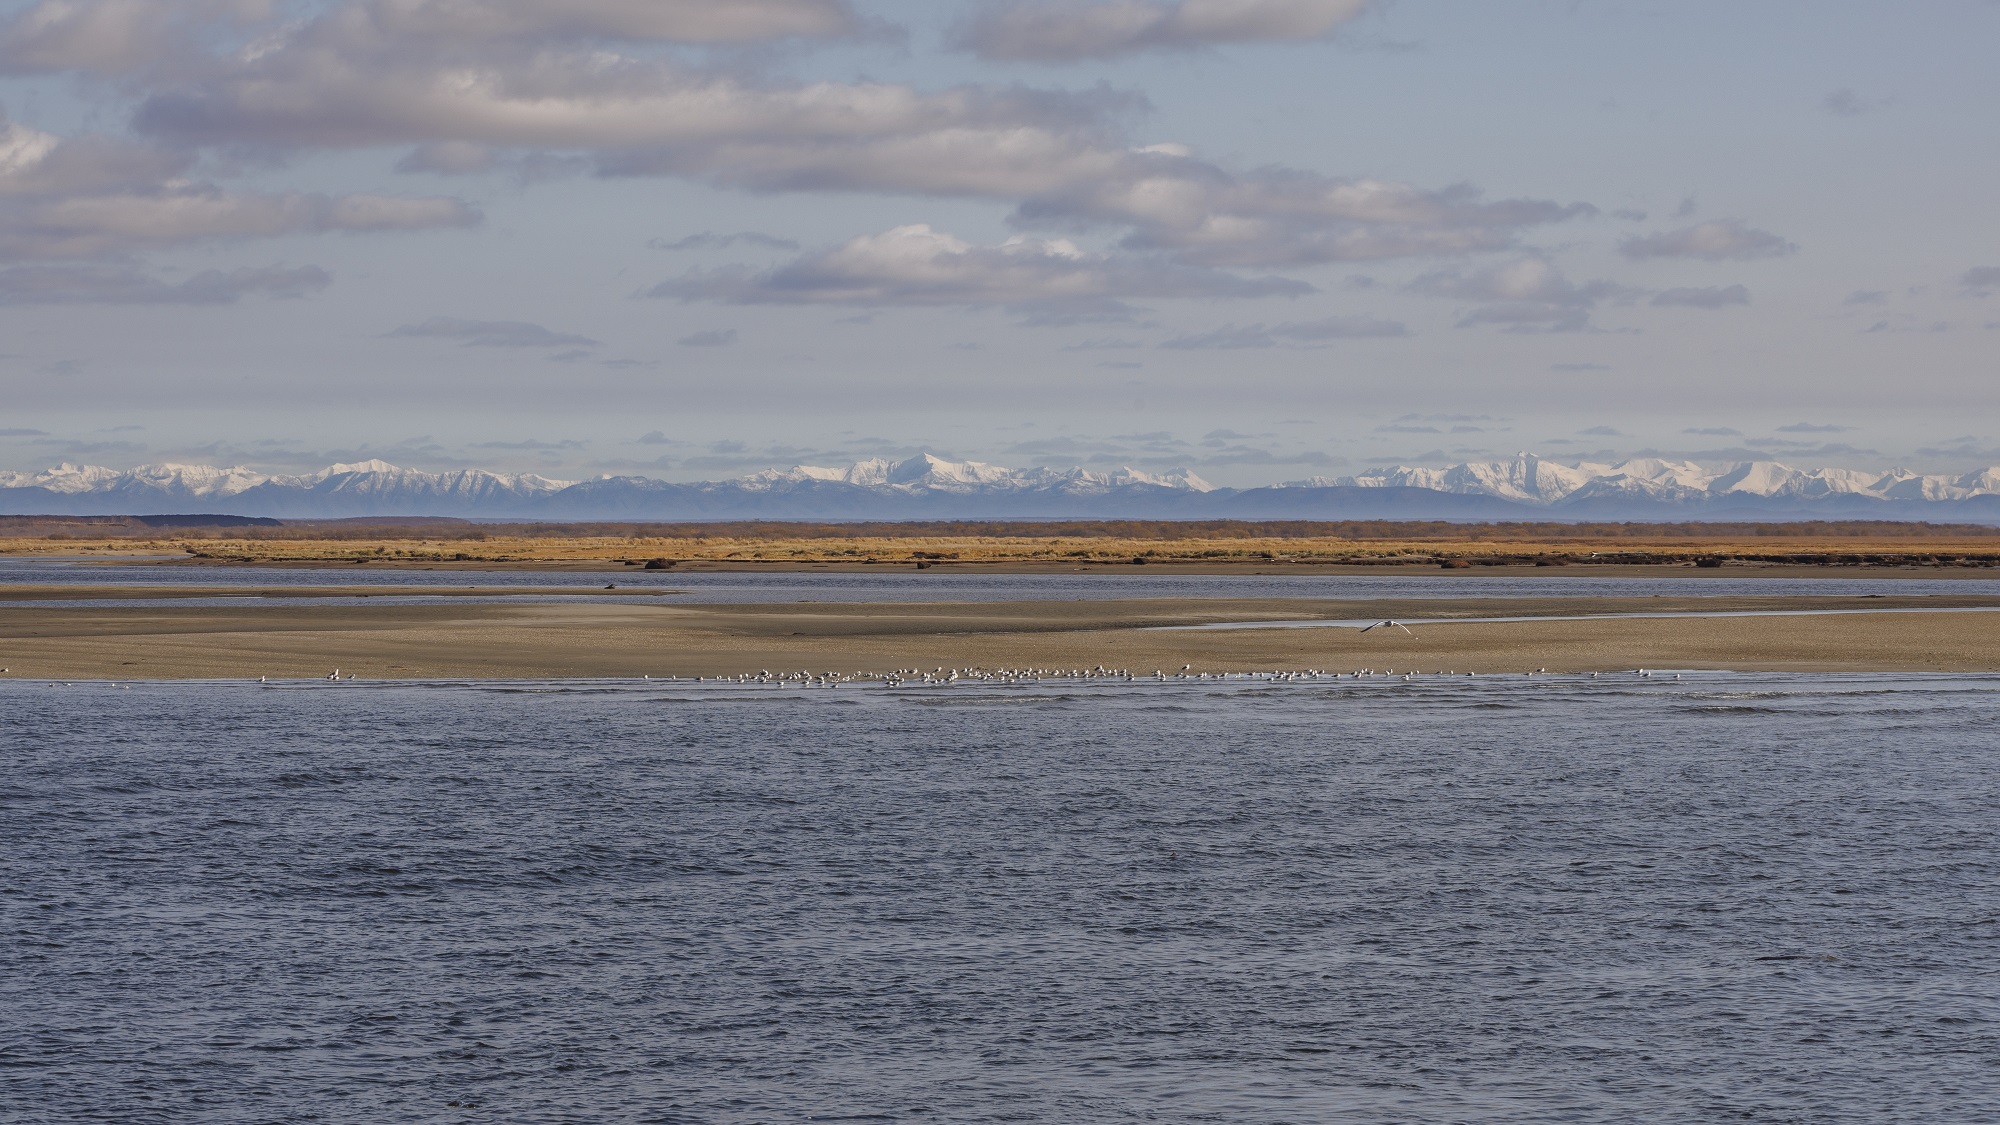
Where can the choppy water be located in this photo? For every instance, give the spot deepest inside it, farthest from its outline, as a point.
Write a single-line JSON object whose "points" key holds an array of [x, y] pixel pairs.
{"points": [[902, 584], [1735, 897]]}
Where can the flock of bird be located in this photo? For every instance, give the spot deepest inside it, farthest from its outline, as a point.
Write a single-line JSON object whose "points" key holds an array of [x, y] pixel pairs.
{"points": [[942, 676]]}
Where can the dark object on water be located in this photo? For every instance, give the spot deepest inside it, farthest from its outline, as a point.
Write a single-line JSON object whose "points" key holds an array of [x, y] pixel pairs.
{"points": [[924, 565], [659, 564], [1138, 560]]}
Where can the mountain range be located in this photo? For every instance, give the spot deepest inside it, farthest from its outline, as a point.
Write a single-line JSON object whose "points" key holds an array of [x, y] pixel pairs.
{"points": [[926, 487]]}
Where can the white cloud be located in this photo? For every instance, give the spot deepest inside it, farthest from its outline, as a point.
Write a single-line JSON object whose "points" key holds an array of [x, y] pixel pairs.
{"points": [[665, 21], [1041, 31], [53, 285], [1526, 293], [709, 240], [1722, 239], [97, 197], [1286, 217], [465, 103], [916, 265], [120, 37], [111, 37], [1296, 332], [34, 163], [493, 333], [111, 225], [710, 338], [1709, 297], [479, 86]]}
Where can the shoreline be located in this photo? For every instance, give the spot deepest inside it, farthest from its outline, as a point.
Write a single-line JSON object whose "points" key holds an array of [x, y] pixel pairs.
{"points": [[488, 638]]}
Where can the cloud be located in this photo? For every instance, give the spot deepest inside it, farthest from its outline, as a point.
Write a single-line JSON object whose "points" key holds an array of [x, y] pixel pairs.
{"points": [[709, 241], [1980, 280], [96, 197], [115, 225], [1278, 217], [1810, 428], [712, 338], [1846, 103], [1528, 294], [1271, 336], [1042, 31], [544, 21], [1579, 367], [466, 83], [1719, 240], [1713, 431], [1600, 431], [120, 37], [107, 285], [110, 37], [450, 158], [1867, 297], [17, 432], [916, 265], [492, 333], [34, 163], [1711, 297], [198, 215], [529, 445]]}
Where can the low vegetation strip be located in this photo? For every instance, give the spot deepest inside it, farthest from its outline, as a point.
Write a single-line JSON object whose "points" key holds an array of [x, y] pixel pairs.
{"points": [[1042, 544]]}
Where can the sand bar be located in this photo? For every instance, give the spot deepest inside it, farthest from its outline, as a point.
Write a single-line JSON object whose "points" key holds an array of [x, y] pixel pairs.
{"points": [[489, 637]]}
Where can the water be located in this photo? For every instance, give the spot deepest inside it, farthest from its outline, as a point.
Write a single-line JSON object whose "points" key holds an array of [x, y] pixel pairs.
{"points": [[1758, 898], [903, 584]]}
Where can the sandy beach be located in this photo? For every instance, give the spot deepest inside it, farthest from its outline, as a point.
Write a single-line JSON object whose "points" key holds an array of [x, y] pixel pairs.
{"points": [[488, 633]]}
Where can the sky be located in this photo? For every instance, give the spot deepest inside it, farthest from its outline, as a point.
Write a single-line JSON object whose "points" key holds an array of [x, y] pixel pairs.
{"points": [[1260, 239]]}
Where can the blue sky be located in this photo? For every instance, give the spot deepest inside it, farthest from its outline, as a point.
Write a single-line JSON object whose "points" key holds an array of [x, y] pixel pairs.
{"points": [[1264, 239]]}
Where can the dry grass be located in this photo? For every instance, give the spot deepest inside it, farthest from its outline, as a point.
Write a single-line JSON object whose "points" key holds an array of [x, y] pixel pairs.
{"points": [[1050, 545]]}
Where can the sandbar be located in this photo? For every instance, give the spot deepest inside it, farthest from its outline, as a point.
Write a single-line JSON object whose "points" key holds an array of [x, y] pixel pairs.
{"points": [[491, 636]]}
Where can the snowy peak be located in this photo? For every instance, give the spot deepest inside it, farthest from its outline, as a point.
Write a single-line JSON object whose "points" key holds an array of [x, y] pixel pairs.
{"points": [[928, 487], [1529, 479], [927, 473]]}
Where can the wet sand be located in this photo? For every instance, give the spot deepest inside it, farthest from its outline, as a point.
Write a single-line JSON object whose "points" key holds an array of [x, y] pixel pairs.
{"points": [[487, 637]]}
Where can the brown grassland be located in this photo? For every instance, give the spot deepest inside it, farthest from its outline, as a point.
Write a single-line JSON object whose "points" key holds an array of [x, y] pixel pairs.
{"points": [[1027, 545]]}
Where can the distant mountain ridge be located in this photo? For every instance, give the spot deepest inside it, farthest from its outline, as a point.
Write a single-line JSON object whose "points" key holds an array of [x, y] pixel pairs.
{"points": [[927, 487]]}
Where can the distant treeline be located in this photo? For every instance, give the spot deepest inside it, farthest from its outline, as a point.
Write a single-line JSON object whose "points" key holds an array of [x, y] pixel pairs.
{"points": [[418, 528]]}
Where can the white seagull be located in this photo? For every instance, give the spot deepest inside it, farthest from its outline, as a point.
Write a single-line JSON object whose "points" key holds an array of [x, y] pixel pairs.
{"points": [[1389, 625]]}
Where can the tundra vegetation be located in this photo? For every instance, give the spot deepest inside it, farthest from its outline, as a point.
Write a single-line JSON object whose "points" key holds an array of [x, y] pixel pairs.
{"points": [[1050, 544]]}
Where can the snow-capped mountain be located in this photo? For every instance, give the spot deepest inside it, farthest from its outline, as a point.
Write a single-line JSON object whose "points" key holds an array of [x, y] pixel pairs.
{"points": [[925, 473], [928, 487], [1529, 479]]}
